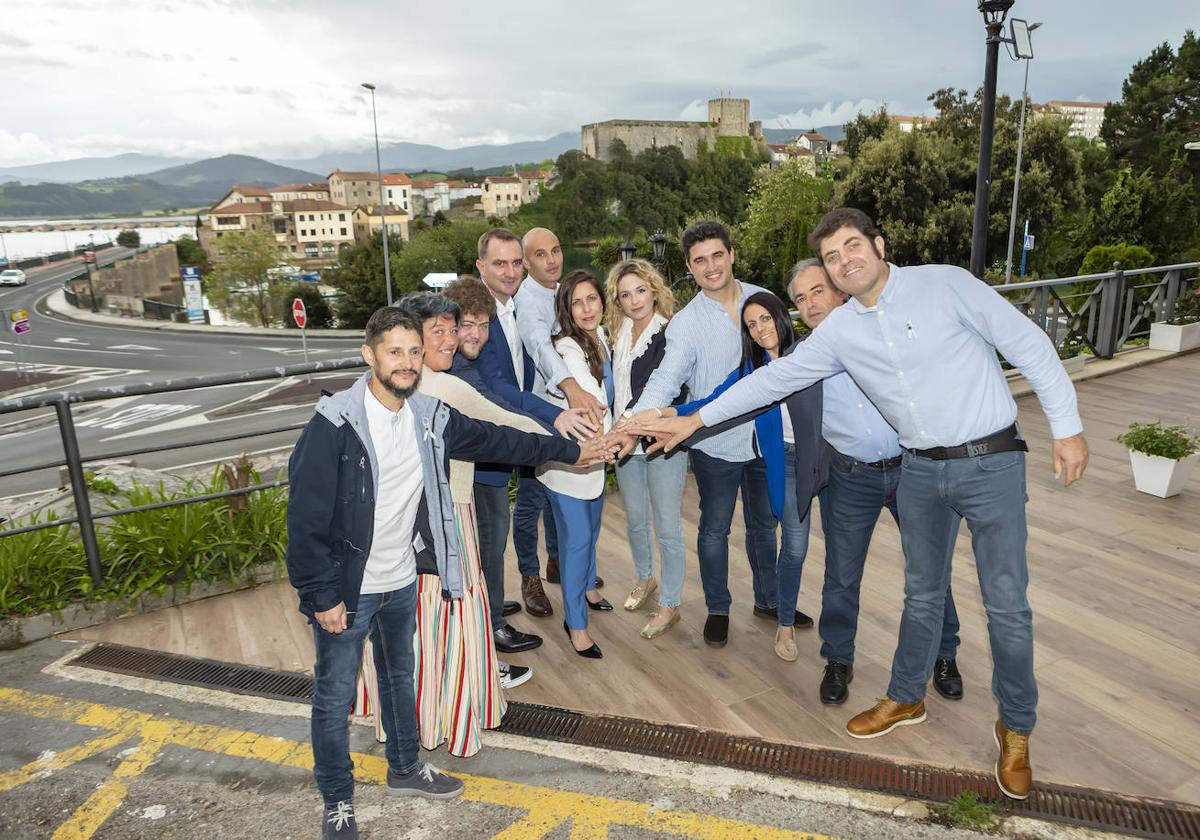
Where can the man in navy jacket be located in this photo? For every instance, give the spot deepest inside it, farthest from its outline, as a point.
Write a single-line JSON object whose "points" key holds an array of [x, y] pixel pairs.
{"points": [[369, 506]]}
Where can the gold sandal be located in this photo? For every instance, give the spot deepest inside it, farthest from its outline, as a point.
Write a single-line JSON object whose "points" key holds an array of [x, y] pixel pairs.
{"points": [[641, 594], [653, 631]]}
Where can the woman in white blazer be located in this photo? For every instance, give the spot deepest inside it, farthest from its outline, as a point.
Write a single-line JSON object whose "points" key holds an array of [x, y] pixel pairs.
{"points": [[577, 494]]}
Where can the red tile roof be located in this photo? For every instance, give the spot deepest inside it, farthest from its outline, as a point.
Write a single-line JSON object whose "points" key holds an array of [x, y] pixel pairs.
{"points": [[389, 210], [396, 178], [354, 176], [248, 208], [300, 188], [502, 179], [306, 204], [424, 185]]}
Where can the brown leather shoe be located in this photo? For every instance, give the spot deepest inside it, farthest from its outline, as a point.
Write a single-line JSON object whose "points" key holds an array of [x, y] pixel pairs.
{"points": [[552, 575], [536, 602], [884, 717], [1013, 773]]}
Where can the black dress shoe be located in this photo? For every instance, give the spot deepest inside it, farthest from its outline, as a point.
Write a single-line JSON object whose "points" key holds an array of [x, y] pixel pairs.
{"points": [[599, 581], [593, 652], [801, 620], [510, 640], [716, 630], [947, 680], [510, 608], [600, 606], [835, 683]]}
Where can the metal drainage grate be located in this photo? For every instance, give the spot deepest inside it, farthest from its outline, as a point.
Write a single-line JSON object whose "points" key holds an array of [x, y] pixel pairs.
{"points": [[1138, 816], [187, 670]]}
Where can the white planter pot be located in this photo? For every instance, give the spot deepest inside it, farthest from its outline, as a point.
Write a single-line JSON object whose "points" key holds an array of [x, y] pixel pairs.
{"points": [[1160, 476], [1074, 364], [1174, 337]]}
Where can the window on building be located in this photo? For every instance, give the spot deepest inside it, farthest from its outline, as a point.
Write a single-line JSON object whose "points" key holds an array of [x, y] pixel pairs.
{"points": [[280, 225], [342, 218], [343, 231], [228, 220]]}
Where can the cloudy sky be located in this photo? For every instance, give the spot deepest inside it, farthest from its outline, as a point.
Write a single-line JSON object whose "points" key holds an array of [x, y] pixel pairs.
{"points": [[280, 78]]}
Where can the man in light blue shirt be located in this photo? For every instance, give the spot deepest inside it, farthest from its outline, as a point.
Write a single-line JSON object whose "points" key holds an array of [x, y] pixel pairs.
{"points": [[704, 343], [921, 342], [864, 474]]}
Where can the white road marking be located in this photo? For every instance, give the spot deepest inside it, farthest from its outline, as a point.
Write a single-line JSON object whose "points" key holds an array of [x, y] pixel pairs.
{"points": [[144, 413], [69, 340], [132, 347]]}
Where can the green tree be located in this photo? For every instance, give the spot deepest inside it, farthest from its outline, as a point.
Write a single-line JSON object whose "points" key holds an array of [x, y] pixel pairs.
{"points": [[243, 283], [866, 127], [785, 205], [129, 239], [189, 252], [1101, 258], [359, 278], [316, 307]]}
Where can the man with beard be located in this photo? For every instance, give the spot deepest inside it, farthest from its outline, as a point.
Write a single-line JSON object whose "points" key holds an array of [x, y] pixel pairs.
{"points": [[368, 506]]}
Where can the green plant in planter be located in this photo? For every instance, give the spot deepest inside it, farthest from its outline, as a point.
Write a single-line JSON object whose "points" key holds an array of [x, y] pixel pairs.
{"points": [[1173, 442], [1187, 308]]}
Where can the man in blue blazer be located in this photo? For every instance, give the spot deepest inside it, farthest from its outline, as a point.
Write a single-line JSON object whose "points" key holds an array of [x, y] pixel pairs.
{"points": [[504, 372]]}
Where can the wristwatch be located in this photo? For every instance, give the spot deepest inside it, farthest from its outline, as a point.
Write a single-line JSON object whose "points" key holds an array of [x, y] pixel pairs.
{"points": [[627, 414]]}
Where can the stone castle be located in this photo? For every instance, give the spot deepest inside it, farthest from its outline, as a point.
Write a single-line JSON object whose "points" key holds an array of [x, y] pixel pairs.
{"points": [[726, 118]]}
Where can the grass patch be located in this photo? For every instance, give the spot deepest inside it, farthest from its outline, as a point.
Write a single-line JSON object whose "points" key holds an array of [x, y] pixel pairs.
{"points": [[966, 811]]}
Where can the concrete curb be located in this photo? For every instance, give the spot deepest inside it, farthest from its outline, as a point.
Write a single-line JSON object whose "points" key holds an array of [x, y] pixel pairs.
{"points": [[56, 302], [20, 631]]}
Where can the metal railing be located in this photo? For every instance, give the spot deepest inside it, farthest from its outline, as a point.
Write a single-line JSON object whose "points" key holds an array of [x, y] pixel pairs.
{"points": [[160, 311], [73, 459], [1104, 311]]}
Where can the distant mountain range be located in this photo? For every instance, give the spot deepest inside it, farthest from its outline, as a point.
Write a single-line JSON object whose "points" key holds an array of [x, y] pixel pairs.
{"points": [[133, 183]]}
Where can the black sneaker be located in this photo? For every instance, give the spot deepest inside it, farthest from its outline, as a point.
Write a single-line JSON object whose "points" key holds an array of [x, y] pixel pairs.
{"points": [[512, 676], [835, 684], [339, 821], [426, 781]]}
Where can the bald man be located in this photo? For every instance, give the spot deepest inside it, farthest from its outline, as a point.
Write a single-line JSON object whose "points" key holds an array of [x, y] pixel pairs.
{"points": [[534, 303]]}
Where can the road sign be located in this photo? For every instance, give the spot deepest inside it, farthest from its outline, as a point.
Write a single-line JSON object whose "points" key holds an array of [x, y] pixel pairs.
{"points": [[1028, 246], [19, 315], [89, 257], [298, 313], [193, 296], [20, 327], [20, 321]]}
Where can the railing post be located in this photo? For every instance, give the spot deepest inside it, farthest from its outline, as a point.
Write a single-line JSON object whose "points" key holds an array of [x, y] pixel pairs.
{"points": [[1111, 303], [1172, 296], [83, 506]]}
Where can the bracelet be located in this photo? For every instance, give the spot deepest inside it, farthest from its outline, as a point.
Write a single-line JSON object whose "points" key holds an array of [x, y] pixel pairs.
{"points": [[658, 411]]}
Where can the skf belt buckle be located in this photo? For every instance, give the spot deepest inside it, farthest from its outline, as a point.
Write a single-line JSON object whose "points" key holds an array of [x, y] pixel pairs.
{"points": [[977, 449]]}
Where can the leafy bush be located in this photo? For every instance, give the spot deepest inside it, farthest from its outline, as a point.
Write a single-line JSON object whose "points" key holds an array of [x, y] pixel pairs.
{"points": [[1187, 308], [1174, 442], [148, 551], [1100, 258]]}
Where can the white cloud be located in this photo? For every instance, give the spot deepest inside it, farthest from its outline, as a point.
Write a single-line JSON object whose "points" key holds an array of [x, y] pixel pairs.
{"points": [[827, 114]]}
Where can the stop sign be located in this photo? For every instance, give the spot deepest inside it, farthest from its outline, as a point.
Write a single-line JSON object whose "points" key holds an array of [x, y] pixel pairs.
{"points": [[298, 313]]}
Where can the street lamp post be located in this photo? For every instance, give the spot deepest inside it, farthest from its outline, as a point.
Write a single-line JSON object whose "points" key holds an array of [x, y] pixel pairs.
{"points": [[1024, 50], [627, 251], [993, 16], [387, 266]]}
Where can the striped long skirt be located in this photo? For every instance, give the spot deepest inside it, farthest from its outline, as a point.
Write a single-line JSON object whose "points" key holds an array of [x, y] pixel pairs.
{"points": [[457, 681]]}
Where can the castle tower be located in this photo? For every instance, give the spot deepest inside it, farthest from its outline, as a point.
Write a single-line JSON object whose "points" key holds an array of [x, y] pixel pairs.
{"points": [[732, 116]]}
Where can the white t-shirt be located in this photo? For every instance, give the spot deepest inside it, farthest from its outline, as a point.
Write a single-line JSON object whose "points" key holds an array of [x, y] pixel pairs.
{"points": [[392, 564], [788, 435]]}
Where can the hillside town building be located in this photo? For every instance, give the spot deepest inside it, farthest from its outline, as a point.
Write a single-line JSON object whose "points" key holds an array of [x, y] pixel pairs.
{"points": [[1086, 117]]}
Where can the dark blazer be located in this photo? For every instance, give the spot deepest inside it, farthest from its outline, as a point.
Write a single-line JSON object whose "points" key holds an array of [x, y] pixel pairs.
{"points": [[495, 369], [643, 366]]}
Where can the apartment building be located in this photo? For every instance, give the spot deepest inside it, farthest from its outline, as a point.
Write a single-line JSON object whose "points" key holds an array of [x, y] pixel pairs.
{"points": [[1086, 117], [501, 195], [368, 222]]}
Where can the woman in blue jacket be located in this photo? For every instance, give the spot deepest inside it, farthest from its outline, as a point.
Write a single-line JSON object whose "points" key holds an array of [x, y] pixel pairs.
{"points": [[788, 436]]}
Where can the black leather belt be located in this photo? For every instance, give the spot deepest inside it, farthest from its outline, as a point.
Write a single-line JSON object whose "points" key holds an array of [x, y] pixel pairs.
{"points": [[885, 464], [1005, 440]]}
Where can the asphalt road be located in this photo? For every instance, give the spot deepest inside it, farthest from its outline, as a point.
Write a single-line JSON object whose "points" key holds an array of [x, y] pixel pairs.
{"points": [[82, 355]]}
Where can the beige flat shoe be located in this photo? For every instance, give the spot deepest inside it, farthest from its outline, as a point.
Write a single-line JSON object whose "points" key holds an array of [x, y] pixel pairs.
{"points": [[653, 631], [785, 649], [641, 594]]}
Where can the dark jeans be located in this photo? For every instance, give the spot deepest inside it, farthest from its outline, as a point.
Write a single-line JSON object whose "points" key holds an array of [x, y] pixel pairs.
{"points": [[391, 619], [531, 503], [491, 512], [935, 496], [718, 483], [850, 505]]}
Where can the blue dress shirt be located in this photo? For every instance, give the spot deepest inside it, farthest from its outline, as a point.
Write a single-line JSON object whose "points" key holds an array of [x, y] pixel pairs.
{"points": [[926, 356]]}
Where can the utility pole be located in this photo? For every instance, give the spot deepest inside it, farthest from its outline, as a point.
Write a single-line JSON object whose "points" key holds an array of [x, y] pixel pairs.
{"points": [[993, 12], [387, 267]]}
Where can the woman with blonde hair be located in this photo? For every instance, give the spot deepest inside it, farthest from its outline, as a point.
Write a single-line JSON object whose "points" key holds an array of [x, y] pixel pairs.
{"points": [[639, 306]]}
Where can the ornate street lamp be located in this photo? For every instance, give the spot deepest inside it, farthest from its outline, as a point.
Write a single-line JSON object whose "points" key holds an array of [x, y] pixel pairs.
{"points": [[627, 251], [658, 240], [994, 12]]}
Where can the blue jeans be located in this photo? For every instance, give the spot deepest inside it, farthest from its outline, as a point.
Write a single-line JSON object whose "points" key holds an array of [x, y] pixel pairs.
{"points": [[654, 487], [850, 505], [718, 482], [578, 522], [989, 491], [793, 546], [530, 505], [491, 512], [391, 619]]}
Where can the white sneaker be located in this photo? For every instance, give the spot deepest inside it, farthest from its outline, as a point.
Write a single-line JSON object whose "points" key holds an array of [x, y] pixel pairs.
{"points": [[512, 676]]}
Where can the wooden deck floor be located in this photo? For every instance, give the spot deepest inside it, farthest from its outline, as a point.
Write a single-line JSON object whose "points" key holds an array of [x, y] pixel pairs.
{"points": [[1115, 587]]}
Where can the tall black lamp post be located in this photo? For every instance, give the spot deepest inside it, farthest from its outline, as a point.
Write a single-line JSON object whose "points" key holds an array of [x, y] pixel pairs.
{"points": [[993, 12], [387, 268]]}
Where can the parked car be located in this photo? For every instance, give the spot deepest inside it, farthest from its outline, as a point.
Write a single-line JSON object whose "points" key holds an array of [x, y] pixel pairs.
{"points": [[12, 277]]}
